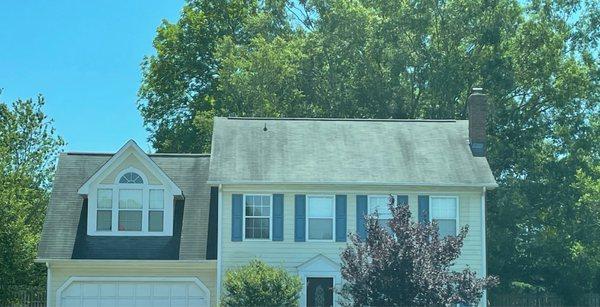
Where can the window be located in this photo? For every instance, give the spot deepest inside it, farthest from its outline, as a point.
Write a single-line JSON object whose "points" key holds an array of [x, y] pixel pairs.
{"points": [[130, 210], [131, 177], [156, 214], [444, 210], [104, 216], [320, 217], [131, 207], [380, 204], [257, 217]]}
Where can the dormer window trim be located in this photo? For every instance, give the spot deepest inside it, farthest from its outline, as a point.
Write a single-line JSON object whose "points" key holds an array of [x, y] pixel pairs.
{"points": [[118, 210]]}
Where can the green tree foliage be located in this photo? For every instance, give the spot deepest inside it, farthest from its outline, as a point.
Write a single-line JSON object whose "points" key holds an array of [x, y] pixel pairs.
{"points": [[537, 60], [28, 148], [408, 265], [258, 284]]}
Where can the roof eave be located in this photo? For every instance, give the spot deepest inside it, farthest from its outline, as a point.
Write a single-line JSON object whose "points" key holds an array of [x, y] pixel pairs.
{"points": [[489, 185]]}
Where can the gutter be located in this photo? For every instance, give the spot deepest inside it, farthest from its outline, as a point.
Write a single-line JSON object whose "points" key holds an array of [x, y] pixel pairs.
{"points": [[219, 245], [490, 185], [483, 243]]}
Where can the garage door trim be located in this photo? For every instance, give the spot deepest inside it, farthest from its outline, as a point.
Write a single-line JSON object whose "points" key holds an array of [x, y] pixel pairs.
{"points": [[131, 279]]}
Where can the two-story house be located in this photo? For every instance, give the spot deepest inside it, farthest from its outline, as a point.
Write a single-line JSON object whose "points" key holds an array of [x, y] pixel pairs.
{"points": [[137, 229]]}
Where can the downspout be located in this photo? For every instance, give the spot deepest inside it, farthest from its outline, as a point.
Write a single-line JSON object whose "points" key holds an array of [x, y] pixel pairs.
{"points": [[483, 243], [48, 283], [219, 245]]}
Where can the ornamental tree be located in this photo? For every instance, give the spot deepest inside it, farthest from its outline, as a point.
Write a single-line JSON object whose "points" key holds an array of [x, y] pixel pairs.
{"points": [[258, 284], [407, 265]]}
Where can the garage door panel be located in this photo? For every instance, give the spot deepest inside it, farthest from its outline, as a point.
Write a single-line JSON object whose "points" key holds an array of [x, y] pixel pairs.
{"points": [[127, 293], [107, 302]]}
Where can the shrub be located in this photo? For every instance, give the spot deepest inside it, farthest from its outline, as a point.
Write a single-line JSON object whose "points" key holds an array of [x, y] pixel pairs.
{"points": [[258, 284]]}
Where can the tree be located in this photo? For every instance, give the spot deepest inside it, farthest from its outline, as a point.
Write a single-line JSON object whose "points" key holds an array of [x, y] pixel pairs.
{"points": [[409, 266], [537, 60], [258, 284], [28, 149]]}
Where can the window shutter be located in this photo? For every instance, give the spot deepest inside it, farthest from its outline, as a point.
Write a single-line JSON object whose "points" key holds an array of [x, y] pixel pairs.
{"points": [[340, 218], [402, 199], [300, 218], [237, 214], [423, 209], [361, 211], [277, 217]]}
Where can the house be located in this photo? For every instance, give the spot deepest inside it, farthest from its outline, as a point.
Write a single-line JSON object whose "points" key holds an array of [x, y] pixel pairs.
{"points": [[132, 229]]}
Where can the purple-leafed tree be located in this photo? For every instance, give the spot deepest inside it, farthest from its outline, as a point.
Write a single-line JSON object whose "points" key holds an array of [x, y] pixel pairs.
{"points": [[408, 264]]}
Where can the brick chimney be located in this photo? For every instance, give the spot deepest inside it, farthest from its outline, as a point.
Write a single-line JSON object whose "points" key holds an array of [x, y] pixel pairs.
{"points": [[477, 118]]}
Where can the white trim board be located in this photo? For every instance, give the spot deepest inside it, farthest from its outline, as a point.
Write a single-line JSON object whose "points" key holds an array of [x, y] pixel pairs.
{"points": [[118, 157]]}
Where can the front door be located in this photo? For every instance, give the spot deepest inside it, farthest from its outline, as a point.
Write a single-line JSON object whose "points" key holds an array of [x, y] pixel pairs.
{"points": [[319, 291]]}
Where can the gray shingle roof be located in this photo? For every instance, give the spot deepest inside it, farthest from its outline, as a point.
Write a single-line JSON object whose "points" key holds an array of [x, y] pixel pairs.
{"points": [[343, 151], [189, 172]]}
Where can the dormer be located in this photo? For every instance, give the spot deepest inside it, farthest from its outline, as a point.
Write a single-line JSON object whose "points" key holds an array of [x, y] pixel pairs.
{"points": [[130, 195]]}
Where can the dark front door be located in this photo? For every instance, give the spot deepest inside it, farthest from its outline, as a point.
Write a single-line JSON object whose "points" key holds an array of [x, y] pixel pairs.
{"points": [[319, 291]]}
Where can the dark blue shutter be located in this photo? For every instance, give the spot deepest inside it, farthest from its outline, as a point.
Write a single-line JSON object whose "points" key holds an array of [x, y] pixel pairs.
{"points": [[300, 218], [340, 218], [277, 217], [402, 199], [423, 208], [361, 211], [237, 214]]}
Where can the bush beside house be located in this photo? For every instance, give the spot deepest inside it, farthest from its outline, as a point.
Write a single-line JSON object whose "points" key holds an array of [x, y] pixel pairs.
{"points": [[258, 284]]}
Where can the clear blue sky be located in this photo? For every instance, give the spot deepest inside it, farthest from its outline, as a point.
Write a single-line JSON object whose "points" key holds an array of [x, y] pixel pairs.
{"points": [[84, 57]]}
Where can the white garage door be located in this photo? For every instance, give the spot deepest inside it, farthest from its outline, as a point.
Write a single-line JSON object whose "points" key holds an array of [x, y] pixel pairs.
{"points": [[133, 292]]}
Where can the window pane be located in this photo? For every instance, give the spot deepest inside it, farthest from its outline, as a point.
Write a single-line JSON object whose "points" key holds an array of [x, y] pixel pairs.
{"points": [[447, 227], [257, 228], [443, 208], [155, 221], [380, 204], [320, 229], [258, 206], [130, 199], [130, 220], [105, 198], [104, 220], [320, 206], [157, 200], [385, 223]]}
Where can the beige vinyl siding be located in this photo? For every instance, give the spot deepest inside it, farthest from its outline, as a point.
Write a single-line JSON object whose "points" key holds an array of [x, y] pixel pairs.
{"points": [[290, 254], [130, 161], [60, 273]]}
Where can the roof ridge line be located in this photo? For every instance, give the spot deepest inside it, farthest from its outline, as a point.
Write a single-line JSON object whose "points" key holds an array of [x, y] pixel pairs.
{"points": [[76, 153], [341, 119]]}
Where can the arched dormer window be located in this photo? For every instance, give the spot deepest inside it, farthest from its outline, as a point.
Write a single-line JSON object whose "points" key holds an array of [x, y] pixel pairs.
{"points": [[132, 206], [131, 177]]}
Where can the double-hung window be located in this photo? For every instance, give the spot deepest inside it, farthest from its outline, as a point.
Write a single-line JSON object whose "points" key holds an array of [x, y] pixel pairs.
{"points": [[104, 213], [156, 213], [320, 217], [380, 204], [444, 210], [130, 209], [257, 217]]}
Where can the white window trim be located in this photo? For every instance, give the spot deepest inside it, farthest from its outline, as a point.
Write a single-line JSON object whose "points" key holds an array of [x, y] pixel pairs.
{"points": [[270, 218], [457, 209], [168, 207], [308, 218]]}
